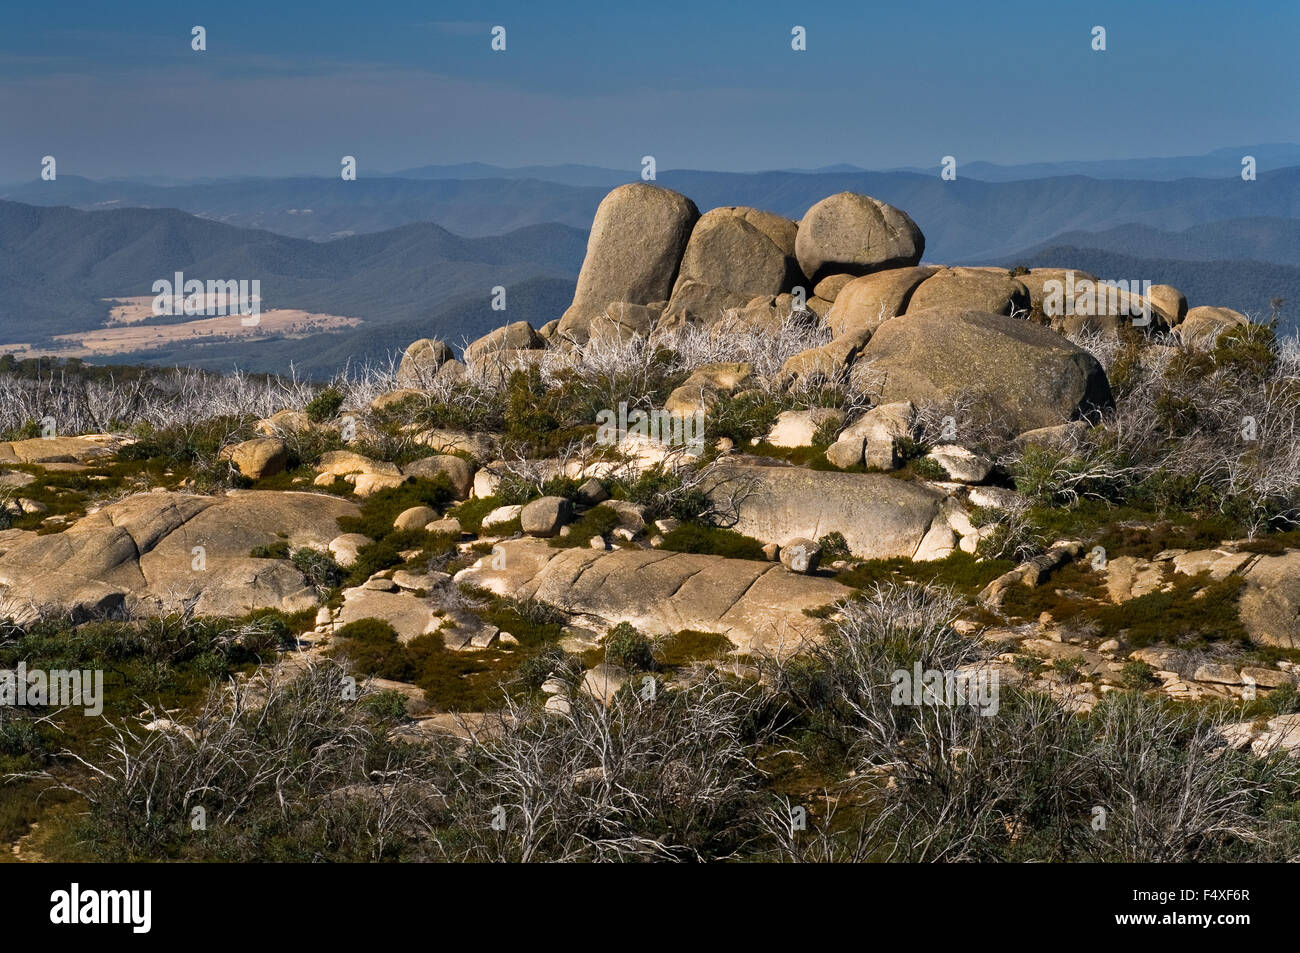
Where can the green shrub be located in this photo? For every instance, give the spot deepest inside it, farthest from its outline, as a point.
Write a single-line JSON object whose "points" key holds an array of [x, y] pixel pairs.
{"points": [[959, 571], [388, 704], [627, 647], [379, 510], [713, 541], [1137, 675], [834, 546], [277, 550], [320, 568], [1175, 617], [688, 645], [373, 649], [743, 416], [325, 405], [470, 513], [597, 521]]}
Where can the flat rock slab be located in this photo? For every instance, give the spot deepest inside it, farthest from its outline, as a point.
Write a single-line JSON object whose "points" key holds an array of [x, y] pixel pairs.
{"points": [[409, 615], [1270, 603], [757, 605], [880, 516], [58, 449], [153, 551]]}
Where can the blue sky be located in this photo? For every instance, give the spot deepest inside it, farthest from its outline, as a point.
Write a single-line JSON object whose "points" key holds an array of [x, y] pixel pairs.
{"points": [[113, 89]]}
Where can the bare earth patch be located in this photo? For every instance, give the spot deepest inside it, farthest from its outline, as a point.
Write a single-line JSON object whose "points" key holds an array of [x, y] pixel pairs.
{"points": [[124, 333]]}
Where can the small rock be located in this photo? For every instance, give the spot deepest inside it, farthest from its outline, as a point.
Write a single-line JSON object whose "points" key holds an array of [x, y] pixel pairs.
{"points": [[592, 491], [458, 471], [964, 466], [258, 458], [344, 548], [1266, 677], [604, 681], [796, 428], [1217, 673], [417, 517], [545, 516], [502, 514], [448, 526], [801, 555]]}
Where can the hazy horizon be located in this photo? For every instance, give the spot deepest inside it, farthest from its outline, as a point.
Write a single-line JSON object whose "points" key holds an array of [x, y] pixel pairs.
{"points": [[115, 93]]}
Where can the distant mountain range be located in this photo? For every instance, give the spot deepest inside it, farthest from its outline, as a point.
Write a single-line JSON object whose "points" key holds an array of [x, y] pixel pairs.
{"points": [[1250, 239], [417, 252], [57, 265], [962, 219], [1219, 164]]}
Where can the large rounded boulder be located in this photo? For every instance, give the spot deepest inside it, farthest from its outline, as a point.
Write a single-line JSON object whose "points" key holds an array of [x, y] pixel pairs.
{"points": [[855, 234], [727, 251], [1030, 375], [1208, 323], [637, 239], [971, 289], [422, 361], [865, 303], [733, 256]]}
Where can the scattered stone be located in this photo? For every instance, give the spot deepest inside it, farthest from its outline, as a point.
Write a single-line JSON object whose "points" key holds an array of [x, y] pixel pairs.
{"points": [[545, 516], [635, 247], [1266, 677], [1031, 375], [366, 476], [1217, 672], [970, 289], [344, 548], [592, 491], [874, 437], [422, 361], [879, 516], [1270, 603], [502, 515], [962, 465], [796, 428], [417, 517], [701, 389], [258, 458], [603, 682], [448, 525], [801, 555], [459, 472]]}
